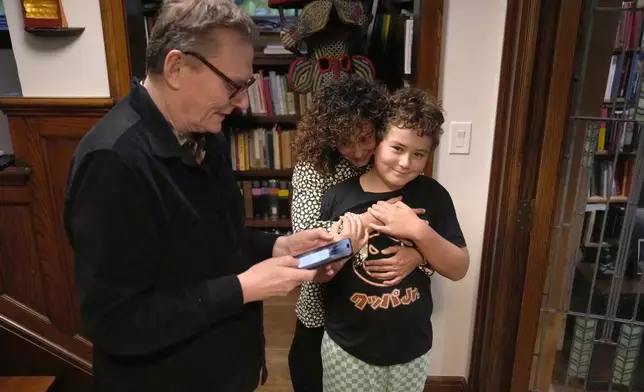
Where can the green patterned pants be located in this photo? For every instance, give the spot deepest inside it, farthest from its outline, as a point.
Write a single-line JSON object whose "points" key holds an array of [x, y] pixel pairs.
{"points": [[342, 372]]}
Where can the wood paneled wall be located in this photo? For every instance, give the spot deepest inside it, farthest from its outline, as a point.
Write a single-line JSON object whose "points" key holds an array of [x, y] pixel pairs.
{"points": [[37, 296]]}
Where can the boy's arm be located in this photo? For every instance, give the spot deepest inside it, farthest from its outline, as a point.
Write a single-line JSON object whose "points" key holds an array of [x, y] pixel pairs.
{"points": [[441, 244], [445, 257]]}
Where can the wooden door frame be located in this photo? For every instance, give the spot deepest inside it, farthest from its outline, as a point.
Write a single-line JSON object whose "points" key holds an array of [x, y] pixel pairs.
{"points": [[536, 75]]}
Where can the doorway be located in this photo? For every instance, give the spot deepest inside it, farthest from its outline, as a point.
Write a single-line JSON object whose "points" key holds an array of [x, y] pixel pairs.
{"points": [[561, 299]]}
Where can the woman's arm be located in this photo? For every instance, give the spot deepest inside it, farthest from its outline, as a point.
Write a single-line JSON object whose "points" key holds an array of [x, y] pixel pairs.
{"points": [[308, 188]]}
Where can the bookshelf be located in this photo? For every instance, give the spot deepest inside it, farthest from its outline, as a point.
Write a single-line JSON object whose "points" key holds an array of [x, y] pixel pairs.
{"points": [[608, 274], [615, 153], [261, 138]]}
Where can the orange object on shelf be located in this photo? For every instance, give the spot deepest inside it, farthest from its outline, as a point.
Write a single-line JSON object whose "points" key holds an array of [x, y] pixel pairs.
{"points": [[43, 14]]}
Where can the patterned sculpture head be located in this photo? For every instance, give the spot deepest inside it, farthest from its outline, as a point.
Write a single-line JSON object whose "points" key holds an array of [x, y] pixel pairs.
{"points": [[325, 26]]}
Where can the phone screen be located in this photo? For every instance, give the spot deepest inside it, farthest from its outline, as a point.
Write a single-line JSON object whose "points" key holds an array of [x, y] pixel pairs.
{"points": [[326, 254], [314, 257]]}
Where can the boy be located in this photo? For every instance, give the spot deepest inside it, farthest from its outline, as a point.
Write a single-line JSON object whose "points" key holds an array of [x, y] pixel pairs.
{"points": [[377, 337]]}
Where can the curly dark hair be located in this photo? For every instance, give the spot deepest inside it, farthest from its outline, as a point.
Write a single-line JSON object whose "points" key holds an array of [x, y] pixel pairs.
{"points": [[413, 108], [336, 113]]}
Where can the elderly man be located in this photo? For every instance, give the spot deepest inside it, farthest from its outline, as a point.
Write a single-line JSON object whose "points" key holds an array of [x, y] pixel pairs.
{"points": [[169, 279]]}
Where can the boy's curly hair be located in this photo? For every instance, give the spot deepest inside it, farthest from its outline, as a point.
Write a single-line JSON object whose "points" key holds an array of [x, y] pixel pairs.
{"points": [[336, 114], [413, 108]]}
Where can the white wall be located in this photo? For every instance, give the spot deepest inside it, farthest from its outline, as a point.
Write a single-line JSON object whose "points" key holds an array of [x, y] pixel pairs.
{"points": [[471, 61], [65, 66], [9, 86]]}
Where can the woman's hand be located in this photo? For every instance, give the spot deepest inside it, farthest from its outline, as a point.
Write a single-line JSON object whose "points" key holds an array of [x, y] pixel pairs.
{"points": [[352, 229], [397, 267]]}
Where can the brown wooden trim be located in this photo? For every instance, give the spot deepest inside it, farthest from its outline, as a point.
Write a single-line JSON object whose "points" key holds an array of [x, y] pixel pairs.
{"points": [[20, 107], [498, 229], [14, 176], [554, 129], [116, 47], [536, 75], [14, 195], [526, 72], [26, 383], [446, 384], [428, 31], [14, 318], [428, 45], [13, 185]]}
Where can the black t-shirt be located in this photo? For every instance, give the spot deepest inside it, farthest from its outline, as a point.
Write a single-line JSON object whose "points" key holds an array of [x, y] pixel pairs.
{"points": [[378, 324]]}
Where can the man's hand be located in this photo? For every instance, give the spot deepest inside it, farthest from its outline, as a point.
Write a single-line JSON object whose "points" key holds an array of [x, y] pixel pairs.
{"points": [[277, 276], [397, 267], [301, 242], [398, 220]]}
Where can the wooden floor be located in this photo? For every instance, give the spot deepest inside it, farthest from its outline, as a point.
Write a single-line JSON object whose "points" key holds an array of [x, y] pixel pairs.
{"points": [[279, 324], [26, 384]]}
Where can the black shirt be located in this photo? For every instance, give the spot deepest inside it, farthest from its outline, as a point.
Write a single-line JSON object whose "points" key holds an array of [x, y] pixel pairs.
{"points": [[378, 324], [158, 241]]}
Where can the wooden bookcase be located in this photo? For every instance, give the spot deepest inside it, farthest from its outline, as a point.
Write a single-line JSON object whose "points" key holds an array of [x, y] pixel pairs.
{"points": [[427, 22]]}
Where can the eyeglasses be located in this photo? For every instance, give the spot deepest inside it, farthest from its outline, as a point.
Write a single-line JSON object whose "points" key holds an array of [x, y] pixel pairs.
{"points": [[235, 87]]}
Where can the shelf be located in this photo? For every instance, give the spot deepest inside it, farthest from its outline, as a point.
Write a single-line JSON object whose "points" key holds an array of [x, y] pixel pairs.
{"points": [[269, 223], [617, 101], [612, 199], [605, 244], [629, 50], [262, 59], [245, 120], [605, 153], [55, 32], [265, 173]]}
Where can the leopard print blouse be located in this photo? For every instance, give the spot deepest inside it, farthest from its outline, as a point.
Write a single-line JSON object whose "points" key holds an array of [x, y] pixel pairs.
{"points": [[309, 185]]}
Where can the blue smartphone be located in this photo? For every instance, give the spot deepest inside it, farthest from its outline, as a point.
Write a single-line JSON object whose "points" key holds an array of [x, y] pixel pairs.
{"points": [[327, 254]]}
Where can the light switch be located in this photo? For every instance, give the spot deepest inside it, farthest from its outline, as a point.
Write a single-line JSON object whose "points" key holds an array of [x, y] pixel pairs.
{"points": [[460, 133]]}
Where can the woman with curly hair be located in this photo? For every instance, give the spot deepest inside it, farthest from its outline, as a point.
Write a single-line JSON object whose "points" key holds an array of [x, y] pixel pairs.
{"points": [[335, 140], [377, 335]]}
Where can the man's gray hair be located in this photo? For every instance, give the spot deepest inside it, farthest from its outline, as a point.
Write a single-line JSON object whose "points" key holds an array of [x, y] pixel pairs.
{"points": [[187, 25]]}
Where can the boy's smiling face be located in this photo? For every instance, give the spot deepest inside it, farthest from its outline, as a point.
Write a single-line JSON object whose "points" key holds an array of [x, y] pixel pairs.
{"points": [[401, 156]]}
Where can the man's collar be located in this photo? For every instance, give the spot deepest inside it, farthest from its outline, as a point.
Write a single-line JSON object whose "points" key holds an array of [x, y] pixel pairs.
{"points": [[164, 140]]}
